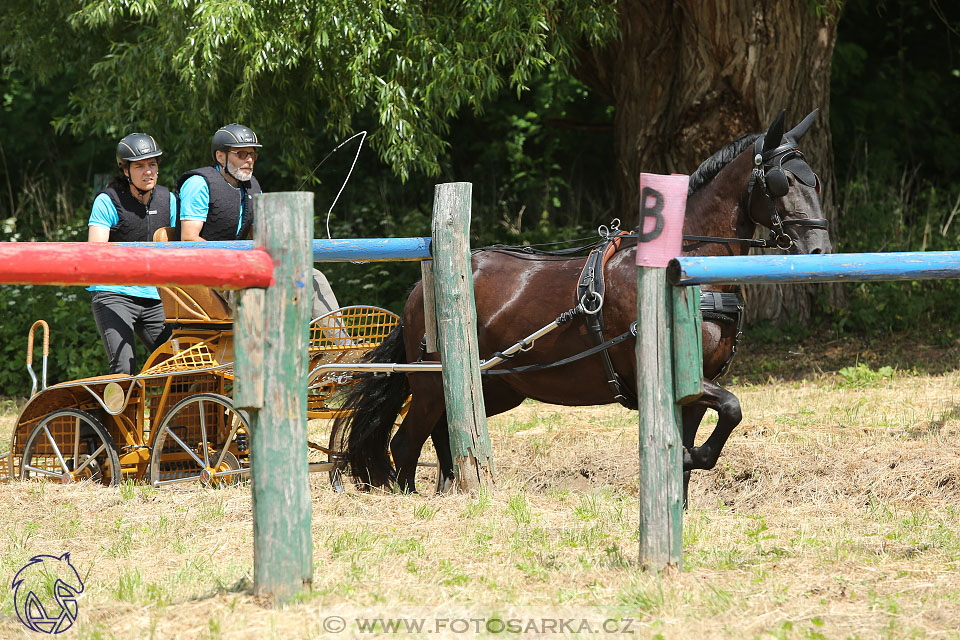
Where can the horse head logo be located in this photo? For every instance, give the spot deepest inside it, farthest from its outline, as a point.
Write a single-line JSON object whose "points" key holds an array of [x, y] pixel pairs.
{"points": [[45, 593]]}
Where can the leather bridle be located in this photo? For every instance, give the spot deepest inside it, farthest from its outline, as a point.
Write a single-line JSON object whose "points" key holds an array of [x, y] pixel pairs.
{"points": [[768, 170]]}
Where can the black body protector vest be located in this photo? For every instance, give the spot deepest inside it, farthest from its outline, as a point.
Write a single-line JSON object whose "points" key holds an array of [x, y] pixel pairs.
{"points": [[224, 209], [138, 221]]}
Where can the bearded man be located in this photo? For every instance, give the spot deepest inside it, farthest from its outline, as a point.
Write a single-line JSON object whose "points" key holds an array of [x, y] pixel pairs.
{"points": [[216, 202]]}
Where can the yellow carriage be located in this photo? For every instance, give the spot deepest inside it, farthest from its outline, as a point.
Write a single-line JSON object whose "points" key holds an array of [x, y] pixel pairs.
{"points": [[174, 422]]}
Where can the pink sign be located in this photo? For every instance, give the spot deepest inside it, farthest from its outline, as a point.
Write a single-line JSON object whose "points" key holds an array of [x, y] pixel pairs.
{"points": [[663, 202]]}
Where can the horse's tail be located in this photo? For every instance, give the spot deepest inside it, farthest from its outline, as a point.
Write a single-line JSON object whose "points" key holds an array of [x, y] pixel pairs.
{"points": [[369, 413]]}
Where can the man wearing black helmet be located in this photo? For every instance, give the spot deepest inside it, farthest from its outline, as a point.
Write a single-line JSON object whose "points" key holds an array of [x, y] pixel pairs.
{"points": [[130, 209], [216, 203]]}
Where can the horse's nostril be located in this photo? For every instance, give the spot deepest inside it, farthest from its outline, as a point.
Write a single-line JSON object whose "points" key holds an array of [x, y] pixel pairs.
{"points": [[816, 251]]}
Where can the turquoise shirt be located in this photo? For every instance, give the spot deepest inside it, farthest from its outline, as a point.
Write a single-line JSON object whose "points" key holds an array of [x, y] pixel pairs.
{"points": [[195, 200], [104, 214]]}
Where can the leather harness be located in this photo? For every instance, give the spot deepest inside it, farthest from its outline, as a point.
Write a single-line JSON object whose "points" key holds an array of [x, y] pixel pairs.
{"points": [[726, 307], [590, 289]]}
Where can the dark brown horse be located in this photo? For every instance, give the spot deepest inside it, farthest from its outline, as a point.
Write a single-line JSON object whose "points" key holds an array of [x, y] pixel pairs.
{"points": [[755, 180]]}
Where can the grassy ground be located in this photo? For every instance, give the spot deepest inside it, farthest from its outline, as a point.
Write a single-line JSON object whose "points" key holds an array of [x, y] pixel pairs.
{"points": [[832, 514]]}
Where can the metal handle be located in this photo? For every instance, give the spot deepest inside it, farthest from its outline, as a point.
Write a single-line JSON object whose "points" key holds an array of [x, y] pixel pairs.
{"points": [[46, 352]]}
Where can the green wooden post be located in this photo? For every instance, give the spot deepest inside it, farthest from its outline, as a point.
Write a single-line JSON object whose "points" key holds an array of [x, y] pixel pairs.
{"points": [[661, 447], [457, 330], [687, 344], [687, 355], [429, 306], [271, 384]]}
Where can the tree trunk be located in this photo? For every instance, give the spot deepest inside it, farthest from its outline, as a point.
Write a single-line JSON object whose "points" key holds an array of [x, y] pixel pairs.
{"points": [[689, 76]]}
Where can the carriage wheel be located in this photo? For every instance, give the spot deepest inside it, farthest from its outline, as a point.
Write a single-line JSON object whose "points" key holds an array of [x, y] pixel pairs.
{"points": [[428, 469], [193, 443], [70, 445]]}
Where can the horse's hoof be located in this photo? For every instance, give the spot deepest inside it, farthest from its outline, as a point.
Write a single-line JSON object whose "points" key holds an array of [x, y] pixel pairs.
{"points": [[699, 459]]}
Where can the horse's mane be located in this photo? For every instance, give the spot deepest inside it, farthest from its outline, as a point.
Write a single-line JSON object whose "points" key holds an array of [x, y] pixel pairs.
{"points": [[710, 167]]}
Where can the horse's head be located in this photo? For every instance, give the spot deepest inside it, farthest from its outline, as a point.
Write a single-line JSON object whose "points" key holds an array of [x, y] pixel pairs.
{"points": [[785, 192]]}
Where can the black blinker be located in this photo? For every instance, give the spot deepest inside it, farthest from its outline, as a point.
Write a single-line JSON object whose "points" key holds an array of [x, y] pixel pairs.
{"points": [[777, 185], [801, 171]]}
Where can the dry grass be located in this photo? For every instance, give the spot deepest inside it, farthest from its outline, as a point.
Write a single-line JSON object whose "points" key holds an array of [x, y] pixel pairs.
{"points": [[833, 514]]}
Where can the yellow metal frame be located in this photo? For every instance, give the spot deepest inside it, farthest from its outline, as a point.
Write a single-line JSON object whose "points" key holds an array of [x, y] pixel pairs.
{"points": [[194, 360], [343, 336]]}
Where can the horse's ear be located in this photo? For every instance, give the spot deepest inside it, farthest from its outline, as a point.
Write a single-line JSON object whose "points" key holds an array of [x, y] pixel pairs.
{"points": [[797, 132], [772, 138]]}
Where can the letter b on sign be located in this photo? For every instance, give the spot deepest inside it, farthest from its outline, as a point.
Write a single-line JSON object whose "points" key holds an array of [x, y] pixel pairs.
{"points": [[663, 200], [651, 206]]}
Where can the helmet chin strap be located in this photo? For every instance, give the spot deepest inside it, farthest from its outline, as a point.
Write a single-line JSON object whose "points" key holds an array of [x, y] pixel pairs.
{"points": [[140, 192], [231, 174], [226, 167]]}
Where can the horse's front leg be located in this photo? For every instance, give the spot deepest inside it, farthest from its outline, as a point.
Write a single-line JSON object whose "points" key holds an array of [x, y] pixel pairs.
{"points": [[728, 417], [691, 415]]}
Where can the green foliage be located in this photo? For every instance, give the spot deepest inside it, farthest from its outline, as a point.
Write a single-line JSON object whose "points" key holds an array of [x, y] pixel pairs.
{"points": [[75, 348], [861, 375], [44, 177], [895, 87], [877, 215], [478, 90], [895, 90], [534, 178], [403, 69]]}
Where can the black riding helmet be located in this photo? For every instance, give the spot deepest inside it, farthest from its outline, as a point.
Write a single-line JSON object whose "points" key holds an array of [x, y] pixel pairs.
{"points": [[136, 146], [233, 135]]}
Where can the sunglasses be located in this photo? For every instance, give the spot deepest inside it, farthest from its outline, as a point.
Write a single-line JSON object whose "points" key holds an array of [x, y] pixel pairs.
{"points": [[244, 154]]}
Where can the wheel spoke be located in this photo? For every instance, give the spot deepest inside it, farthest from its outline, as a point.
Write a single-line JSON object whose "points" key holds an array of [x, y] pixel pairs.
{"points": [[226, 445], [203, 436], [230, 472], [216, 428], [183, 445], [41, 471], [76, 442], [177, 480], [90, 458], [56, 449]]}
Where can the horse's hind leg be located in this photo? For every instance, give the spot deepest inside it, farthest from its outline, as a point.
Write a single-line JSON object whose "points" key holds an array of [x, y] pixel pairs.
{"points": [[441, 442], [424, 415], [497, 398], [728, 417]]}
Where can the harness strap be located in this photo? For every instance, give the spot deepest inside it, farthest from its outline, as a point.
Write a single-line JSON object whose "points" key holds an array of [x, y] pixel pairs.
{"points": [[580, 356], [591, 287], [726, 308], [816, 223], [752, 242], [721, 301]]}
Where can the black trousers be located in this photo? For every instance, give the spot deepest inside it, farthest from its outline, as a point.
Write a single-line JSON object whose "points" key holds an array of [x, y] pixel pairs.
{"points": [[119, 317]]}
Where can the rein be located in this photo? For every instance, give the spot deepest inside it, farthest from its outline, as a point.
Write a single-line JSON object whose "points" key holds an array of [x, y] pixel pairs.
{"points": [[723, 307], [626, 335], [760, 243]]}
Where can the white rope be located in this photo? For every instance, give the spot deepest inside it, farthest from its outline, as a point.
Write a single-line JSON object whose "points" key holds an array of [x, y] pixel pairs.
{"points": [[363, 135]]}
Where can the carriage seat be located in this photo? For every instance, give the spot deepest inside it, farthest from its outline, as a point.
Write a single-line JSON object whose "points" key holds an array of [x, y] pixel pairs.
{"points": [[191, 304]]}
